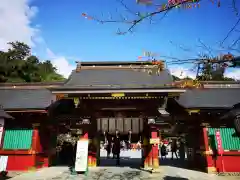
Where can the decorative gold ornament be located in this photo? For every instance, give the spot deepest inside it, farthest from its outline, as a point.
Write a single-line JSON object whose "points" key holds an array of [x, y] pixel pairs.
{"points": [[189, 84]]}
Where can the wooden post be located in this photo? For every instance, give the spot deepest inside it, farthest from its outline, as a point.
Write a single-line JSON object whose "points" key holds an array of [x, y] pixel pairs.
{"points": [[145, 152], [155, 151], [35, 144], [211, 168], [145, 147]]}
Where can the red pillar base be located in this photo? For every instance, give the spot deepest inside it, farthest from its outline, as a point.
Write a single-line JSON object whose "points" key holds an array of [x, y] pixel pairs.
{"points": [[154, 149], [151, 152]]}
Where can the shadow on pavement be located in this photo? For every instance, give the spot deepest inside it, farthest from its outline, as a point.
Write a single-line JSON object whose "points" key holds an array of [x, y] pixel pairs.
{"points": [[137, 162], [4, 178], [173, 178], [124, 162], [174, 163], [179, 164], [4, 175]]}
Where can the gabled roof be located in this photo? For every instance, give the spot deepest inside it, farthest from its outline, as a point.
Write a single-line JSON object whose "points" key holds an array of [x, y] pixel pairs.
{"points": [[210, 98], [117, 79], [25, 98]]}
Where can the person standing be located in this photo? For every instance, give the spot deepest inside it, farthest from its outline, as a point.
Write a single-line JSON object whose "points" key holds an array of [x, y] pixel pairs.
{"points": [[108, 143], [129, 139], [182, 150], [117, 147], [174, 148], [163, 151]]}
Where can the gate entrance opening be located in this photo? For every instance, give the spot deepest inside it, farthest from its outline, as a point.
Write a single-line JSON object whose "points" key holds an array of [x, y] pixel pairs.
{"points": [[130, 131]]}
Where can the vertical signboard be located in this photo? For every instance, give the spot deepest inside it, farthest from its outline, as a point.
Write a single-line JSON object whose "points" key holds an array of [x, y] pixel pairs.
{"points": [[81, 162], [219, 142], [220, 148], [1, 129]]}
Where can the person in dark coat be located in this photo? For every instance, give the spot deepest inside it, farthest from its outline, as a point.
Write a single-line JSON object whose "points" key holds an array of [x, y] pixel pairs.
{"points": [[117, 147], [163, 151], [174, 148], [182, 150], [129, 139], [66, 153], [109, 143]]}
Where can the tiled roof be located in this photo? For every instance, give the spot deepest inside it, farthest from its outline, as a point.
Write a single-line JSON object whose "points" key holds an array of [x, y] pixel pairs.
{"points": [[113, 63], [117, 78], [210, 98], [25, 98]]}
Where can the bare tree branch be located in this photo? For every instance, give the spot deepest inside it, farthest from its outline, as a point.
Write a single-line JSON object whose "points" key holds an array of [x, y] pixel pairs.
{"points": [[207, 48], [161, 8], [231, 30], [234, 7], [127, 8], [235, 42], [184, 48]]}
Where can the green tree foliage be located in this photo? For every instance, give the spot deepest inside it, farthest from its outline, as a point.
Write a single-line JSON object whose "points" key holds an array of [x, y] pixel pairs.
{"points": [[18, 65], [213, 72]]}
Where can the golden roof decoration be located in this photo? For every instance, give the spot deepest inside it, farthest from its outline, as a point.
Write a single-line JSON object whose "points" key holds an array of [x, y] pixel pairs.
{"points": [[188, 84]]}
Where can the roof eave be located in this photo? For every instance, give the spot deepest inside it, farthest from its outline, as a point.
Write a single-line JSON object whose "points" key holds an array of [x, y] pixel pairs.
{"points": [[5, 115], [116, 90], [30, 110]]}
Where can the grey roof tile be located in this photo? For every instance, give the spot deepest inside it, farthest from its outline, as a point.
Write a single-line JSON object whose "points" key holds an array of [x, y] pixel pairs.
{"points": [[118, 78], [25, 98], [210, 98]]}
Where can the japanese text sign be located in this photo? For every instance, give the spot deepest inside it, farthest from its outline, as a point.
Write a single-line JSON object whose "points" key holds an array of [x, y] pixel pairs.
{"points": [[219, 142]]}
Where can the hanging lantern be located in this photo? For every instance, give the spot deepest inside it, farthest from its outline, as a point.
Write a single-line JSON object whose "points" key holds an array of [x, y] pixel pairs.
{"points": [[83, 14]]}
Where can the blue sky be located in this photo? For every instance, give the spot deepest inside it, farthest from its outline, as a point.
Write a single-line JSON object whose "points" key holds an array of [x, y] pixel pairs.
{"points": [[69, 34]]}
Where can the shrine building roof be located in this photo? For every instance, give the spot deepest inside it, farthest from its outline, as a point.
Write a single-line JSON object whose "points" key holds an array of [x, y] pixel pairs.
{"points": [[116, 75], [210, 98], [25, 98], [121, 78]]}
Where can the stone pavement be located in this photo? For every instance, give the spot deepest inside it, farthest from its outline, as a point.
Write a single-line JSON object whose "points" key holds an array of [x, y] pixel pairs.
{"points": [[119, 173], [128, 171]]}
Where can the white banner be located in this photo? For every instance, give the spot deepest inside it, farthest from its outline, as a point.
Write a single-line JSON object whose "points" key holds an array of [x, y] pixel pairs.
{"points": [[81, 162], [1, 129]]}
